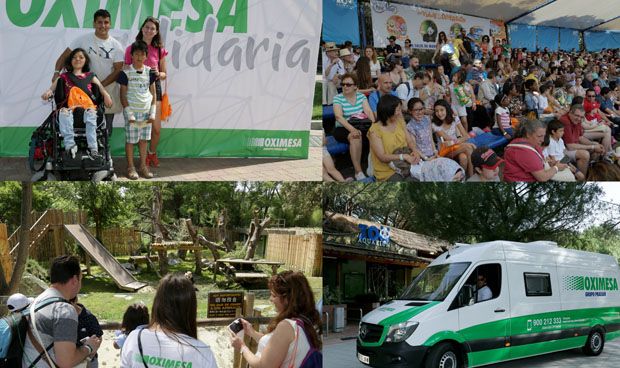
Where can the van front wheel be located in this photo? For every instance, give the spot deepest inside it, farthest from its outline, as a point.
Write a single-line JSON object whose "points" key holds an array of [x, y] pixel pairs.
{"points": [[443, 355], [595, 343]]}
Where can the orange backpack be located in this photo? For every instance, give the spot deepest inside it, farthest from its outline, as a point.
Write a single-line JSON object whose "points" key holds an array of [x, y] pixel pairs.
{"points": [[79, 95]]}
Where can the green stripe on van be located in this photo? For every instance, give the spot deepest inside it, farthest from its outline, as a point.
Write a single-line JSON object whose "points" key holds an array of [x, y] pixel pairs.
{"points": [[406, 315], [524, 328]]}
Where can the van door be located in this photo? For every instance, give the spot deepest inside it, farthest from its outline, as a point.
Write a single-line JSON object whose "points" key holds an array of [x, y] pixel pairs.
{"points": [[484, 314]]}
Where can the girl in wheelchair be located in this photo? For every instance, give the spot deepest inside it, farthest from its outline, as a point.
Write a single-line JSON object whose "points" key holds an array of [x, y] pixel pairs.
{"points": [[78, 83]]}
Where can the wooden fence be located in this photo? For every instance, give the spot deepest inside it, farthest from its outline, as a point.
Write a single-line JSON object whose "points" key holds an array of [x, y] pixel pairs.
{"points": [[52, 241], [120, 241], [48, 233], [299, 249]]}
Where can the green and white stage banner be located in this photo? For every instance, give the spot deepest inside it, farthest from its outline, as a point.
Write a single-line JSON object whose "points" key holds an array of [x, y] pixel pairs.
{"points": [[420, 25], [241, 72]]}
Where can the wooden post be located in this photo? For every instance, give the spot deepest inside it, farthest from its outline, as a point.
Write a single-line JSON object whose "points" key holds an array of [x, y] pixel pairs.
{"points": [[237, 355], [248, 306], [5, 258]]}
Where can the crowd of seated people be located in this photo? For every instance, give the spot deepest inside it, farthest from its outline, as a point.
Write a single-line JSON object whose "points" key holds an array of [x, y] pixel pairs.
{"points": [[548, 115]]}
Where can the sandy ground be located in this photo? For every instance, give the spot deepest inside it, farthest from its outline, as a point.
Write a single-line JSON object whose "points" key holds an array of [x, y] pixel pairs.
{"points": [[216, 338]]}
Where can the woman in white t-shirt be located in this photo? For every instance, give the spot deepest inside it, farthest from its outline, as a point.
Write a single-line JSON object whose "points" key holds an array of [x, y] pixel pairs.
{"points": [[292, 333], [170, 339], [375, 66]]}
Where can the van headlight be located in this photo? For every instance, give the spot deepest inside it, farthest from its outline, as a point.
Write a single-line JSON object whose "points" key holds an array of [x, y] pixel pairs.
{"points": [[401, 331]]}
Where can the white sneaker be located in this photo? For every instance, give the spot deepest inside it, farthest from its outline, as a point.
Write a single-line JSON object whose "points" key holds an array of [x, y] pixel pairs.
{"points": [[360, 176], [73, 150]]}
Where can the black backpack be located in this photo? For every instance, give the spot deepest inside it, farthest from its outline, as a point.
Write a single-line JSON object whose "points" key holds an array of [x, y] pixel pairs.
{"points": [[13, 331]]}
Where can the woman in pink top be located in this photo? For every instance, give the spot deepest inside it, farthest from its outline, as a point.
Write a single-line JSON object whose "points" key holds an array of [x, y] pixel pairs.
{"points": [[156, 60]]}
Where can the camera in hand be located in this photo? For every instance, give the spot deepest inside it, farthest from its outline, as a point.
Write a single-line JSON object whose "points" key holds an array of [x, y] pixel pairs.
{"points": [[236, 326]]}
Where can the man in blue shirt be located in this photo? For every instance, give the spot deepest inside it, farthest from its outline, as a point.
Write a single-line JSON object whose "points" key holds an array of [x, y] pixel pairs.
{"points": [[384, 84], [607, 106]]}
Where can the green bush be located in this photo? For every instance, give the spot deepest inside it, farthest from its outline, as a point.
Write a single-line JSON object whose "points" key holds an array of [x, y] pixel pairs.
{"points": [[35, 269]]}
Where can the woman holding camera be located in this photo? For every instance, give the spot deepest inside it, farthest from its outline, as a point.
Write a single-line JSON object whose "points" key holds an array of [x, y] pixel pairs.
{"points": [[293, 335]]}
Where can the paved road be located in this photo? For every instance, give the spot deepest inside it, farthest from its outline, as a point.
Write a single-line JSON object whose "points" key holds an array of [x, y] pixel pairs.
{"points": [[342, 355]]}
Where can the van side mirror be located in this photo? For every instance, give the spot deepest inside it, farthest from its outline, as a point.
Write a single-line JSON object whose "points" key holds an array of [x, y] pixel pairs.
{"points": [[464, 297], [468, 295]]}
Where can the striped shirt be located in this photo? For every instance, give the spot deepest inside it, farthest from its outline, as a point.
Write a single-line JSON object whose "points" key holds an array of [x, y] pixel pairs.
{"points": [[504, 116], [138, 82], [347, 108]]}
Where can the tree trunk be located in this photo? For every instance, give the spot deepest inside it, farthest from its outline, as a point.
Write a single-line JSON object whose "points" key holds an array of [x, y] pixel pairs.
{"points": [[24, 238], [201, 240], [197, 253], [222, 224], [255, 237], [157, 229]]}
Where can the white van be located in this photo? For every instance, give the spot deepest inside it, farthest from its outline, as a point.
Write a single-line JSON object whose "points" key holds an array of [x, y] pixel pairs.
{"points": [[491, 302]]}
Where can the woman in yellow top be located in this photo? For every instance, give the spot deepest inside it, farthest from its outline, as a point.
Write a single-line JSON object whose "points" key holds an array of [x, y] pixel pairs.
{"points": [[387, 135]]}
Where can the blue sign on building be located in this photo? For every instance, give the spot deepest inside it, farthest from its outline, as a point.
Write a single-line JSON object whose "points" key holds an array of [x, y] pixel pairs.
{"points": [[374, 235]]}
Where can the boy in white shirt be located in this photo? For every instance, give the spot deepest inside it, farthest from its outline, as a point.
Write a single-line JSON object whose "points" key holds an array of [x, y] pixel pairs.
{"points": [[555, 150], [137, 98]]}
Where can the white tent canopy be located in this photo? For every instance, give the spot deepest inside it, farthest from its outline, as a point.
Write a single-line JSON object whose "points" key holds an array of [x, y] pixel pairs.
{"points": [[599, 15], [612, 25]]}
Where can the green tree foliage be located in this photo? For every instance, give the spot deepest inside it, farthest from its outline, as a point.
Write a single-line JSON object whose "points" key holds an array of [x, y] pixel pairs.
{"points": [[600, 239], [129, 204], [10, 202], [455, 212], [300, 204], [521, 212], [386, 203]]}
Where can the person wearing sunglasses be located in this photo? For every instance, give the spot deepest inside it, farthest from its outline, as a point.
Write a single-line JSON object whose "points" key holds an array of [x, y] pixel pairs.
{"points": [[593, 108], [482, 290], [575, 139], [347, 104]]}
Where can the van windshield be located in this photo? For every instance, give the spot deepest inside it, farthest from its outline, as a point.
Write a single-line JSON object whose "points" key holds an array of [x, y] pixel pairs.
{"points": [[435, 283]]}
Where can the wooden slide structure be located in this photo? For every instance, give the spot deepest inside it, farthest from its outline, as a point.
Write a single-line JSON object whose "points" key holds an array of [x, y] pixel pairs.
{"points": [[123, 278], [51, 219]]}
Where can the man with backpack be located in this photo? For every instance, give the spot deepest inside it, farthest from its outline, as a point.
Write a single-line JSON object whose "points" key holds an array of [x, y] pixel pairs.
{"points": [[53, 331], [410, 89]]}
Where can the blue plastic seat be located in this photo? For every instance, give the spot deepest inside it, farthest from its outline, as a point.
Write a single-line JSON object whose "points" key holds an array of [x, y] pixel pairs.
{"points": [[334, 147]]}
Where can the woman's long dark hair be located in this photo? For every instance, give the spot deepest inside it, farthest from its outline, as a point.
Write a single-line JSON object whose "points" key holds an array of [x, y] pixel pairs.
{"points": [[69, 66], [362, 69], [439, 39], [156, 42], [293, 287], [174, 306], [449, 117]]}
